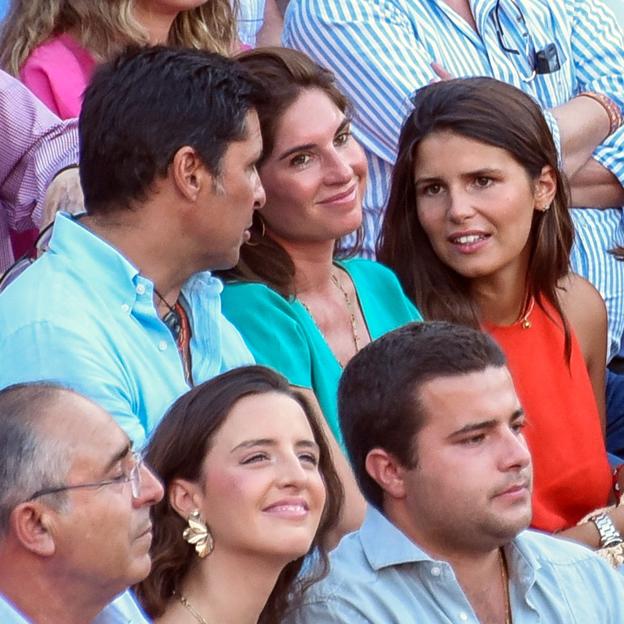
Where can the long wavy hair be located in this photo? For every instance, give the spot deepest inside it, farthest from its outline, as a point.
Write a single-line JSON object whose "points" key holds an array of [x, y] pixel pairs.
{"points": [[285, 74], [177, 450], [497, 114], [104, 27]]}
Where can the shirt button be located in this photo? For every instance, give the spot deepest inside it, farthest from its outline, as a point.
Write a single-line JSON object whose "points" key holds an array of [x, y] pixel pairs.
{"points": [[463, 616], [140, 289], [125, 308], [435, 571], [162, 345]]}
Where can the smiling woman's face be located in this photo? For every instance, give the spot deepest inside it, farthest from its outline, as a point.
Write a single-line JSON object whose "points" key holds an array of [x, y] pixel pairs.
{"points": [[261, 489], [315, 176]]}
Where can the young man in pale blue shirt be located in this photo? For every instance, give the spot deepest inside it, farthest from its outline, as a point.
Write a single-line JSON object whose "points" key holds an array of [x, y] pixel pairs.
{"points": [[122, 307], [433, 426], [75, 527]]}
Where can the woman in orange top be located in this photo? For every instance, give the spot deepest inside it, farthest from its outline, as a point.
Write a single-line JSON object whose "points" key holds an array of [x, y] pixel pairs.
{"points": [[478, 231]]}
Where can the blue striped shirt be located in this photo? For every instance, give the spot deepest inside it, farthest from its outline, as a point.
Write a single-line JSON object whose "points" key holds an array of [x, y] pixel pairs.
{"points": [[250, 20], [381, 52]]}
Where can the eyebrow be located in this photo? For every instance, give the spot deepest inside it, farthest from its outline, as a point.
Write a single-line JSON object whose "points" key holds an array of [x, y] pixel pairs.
{"points": [[485, 424], [346, 121], [118, 457], [270, 442], [469, 174]]}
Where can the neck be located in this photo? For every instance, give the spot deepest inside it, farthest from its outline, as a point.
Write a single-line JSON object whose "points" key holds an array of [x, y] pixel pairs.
{"points": [[157, 24], [313, 264], [220, 593], [141, 242], [45, 594]]}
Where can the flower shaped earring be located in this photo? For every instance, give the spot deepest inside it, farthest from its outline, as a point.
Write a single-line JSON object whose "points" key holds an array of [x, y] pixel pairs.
{"points": [[198, 534]]}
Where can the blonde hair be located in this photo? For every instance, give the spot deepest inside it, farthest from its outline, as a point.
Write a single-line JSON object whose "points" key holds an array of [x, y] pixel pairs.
{"points": [[104, 27]]}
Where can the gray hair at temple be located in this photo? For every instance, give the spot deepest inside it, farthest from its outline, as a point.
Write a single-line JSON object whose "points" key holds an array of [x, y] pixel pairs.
{"points": [[30, 460]]}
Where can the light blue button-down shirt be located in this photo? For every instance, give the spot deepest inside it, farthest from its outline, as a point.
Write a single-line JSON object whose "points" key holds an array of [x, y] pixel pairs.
{"points": [[123, 610], [381, 52], [82, 315], [379, 576]]}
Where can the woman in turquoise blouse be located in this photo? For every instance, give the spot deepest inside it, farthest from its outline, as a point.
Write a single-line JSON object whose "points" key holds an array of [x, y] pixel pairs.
{"points": [[299, 308]]}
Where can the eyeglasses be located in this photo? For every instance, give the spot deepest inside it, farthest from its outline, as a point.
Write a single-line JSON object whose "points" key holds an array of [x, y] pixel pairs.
{"points": [[133, 477]]}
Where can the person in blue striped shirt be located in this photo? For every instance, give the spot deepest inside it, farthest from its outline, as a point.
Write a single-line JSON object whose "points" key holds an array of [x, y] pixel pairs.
{"points": [[381, 52]]}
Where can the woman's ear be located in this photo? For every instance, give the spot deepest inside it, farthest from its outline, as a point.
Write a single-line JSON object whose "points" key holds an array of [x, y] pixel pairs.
{"points": [[184, 497], [545, 188]]}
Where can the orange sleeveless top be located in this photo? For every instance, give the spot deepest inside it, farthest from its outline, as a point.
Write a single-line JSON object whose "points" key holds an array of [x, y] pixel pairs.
{"points": [[571, 474]]}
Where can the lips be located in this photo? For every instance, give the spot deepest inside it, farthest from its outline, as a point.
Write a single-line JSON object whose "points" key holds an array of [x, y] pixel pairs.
{"points": [[346, 195], [468, 238], [514, 489], [288, 508]]}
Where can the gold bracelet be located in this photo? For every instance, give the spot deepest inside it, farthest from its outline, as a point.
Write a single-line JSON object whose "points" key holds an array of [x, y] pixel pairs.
{"points": [[611, 108]]}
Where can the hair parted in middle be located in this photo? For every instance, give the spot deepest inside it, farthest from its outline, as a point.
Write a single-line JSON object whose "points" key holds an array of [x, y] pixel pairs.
{"points": [[500, 115], [378, 396], [285, 74], [177, 449]]}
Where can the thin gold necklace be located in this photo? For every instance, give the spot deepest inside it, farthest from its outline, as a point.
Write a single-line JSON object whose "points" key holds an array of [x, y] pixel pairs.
{"points": [[350, 309], [505, 579], [187, 605]]}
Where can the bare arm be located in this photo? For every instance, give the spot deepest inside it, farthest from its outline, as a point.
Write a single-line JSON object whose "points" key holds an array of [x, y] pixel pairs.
{"points": [[271, 32], [354, 504], [593, 185]]}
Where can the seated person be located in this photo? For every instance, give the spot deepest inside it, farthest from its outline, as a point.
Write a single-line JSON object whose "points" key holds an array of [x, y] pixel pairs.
{"points": [[251, 487], [121, 307], [478, 229], [75, 527], [54, 47], [301, 308], [434, 428]]}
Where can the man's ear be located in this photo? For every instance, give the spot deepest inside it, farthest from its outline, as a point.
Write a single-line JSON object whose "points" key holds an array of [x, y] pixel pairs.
{"points": [[545, 188], [184, 497], [384, 468], [32, 524], [188, 172]]}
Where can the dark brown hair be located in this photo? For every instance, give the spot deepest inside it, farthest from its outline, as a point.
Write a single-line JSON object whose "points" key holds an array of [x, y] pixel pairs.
{"points": [[379, 395], [177, 450], [497, 114], [285, 74]]}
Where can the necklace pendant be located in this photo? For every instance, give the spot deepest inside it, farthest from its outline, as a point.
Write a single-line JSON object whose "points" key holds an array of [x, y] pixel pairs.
{"points": [[526, 324]]}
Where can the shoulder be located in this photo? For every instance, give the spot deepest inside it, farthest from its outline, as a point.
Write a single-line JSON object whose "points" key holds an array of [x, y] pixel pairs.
{"points": [[369, 272], [245, 298], [60, 49], [550, 550]]}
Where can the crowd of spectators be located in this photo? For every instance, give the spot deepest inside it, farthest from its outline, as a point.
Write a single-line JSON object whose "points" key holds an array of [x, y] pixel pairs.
{"points": [[311, 311]]}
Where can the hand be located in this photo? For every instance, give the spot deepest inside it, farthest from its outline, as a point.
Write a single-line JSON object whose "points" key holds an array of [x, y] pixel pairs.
{"points": [[64, 193], [440, 72]]}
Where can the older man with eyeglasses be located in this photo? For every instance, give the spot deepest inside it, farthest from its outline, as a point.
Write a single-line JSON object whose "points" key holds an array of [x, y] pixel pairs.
{"points": [[75, 527]]}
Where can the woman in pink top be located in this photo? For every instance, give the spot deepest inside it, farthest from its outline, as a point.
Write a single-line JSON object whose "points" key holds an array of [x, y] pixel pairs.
{"points": [[53, 45]]}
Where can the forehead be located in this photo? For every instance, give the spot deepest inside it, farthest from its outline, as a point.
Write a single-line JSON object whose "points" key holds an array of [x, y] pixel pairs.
{"points": [[308, 119], [452, 402], [270, 415], [452, 151], [89, 433]]}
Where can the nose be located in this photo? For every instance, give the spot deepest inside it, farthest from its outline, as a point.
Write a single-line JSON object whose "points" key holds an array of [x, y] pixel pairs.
{"points": [[291, 473], [259, 193], [338, 169], [514, 451], [151, 490], [459, 207]]}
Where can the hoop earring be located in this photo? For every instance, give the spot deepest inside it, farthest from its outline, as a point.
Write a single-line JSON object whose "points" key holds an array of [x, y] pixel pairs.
{"points": [[198, 534], [261, 235]]}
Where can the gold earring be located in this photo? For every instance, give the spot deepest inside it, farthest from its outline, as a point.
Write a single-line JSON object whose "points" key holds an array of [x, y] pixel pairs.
{"points": [[261, 235], [198, 534]]}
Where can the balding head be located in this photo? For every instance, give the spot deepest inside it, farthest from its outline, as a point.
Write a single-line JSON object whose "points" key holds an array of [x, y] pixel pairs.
{"points": [[34, 450]]}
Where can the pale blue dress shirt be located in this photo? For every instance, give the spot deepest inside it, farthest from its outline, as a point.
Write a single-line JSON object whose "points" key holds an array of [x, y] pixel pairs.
{"points": [[82, 315], [379, 576], [123, 610], [381, 52]]}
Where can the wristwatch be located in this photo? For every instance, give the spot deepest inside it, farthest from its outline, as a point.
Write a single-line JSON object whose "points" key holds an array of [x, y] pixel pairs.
{"points": [[609, 535]]}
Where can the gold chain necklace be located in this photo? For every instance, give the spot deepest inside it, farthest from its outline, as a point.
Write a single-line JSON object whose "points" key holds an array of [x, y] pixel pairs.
{"points": [[350, 309], [187, 605], [505, 579]]}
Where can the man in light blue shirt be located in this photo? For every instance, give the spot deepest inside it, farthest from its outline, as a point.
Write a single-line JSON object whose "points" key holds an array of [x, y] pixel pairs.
{"points": [[433, 426], [122, 307], [75, 527]]}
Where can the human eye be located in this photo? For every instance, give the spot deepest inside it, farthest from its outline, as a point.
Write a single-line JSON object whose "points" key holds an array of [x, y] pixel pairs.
{"points": [[342, 137], [255, 458], [300, 160], [483, 181], [473, 440], [518, 426], [430, 190], [309, 458]]}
